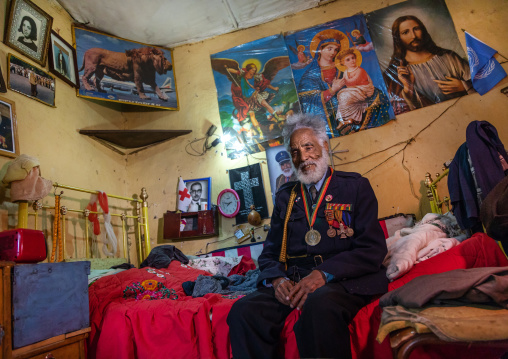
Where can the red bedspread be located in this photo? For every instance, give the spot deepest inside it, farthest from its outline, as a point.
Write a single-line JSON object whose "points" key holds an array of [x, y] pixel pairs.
{"points": [[181, 327]]}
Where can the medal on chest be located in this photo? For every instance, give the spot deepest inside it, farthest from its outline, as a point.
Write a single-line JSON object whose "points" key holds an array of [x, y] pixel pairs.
{"points": [[313, 237], [341, 214]]}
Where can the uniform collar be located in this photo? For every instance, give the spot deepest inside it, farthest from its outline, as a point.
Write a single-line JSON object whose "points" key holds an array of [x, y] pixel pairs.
{"points": [[319, 183]]}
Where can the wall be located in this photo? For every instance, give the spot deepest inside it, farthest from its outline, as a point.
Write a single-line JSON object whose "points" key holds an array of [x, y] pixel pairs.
{"points": [[67, 157], [51, 135], [391, 182]]}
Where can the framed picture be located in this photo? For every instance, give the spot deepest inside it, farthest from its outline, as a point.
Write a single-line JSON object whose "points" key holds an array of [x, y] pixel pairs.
{"points": [[31, 81], [28, 29], [3, 87], [280, 170], [119, 70], [8, 129], [201, 192], [62, 60]]}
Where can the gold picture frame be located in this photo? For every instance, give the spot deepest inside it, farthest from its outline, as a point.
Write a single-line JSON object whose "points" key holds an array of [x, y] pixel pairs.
{"points": [[9, 146], [30, 81], [123, 71], [28, 29]]}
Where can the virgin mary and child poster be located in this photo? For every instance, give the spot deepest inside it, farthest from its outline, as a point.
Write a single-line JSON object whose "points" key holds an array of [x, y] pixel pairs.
{"points": [[337, 76]]}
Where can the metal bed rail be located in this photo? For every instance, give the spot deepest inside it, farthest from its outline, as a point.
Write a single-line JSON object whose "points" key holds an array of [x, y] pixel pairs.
{"points": [[143, 241]]}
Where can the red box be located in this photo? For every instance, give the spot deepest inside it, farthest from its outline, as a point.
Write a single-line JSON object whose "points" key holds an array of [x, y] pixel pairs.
{"points": [[22, 245]]}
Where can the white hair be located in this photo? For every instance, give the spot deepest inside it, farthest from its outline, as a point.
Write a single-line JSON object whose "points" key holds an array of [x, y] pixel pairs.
{"points": [[303, 120]]}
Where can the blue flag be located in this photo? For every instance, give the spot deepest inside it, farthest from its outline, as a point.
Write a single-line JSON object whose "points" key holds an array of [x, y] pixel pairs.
{"points": [[486, 72]]}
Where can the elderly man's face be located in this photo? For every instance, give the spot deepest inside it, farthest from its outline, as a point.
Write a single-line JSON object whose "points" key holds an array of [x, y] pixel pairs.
{"points": [[195, 192], [307, 152], [286, 167]]}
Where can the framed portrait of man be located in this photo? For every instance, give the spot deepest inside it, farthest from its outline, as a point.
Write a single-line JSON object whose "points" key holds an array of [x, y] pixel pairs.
{"points": [[280, 169], [62, 60], [8, 129], [28, 29], [200, 192]]}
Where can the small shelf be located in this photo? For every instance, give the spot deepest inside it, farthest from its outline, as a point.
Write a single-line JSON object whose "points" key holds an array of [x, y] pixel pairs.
{"points": [[130, 139]]}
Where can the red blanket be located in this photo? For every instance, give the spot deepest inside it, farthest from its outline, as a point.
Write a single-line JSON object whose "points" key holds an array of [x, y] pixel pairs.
{"points": [[180, 327]]}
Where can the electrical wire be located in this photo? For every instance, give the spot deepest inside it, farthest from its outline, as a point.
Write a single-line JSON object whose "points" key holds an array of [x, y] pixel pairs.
{"points": [[204, 148], [405, 143]]}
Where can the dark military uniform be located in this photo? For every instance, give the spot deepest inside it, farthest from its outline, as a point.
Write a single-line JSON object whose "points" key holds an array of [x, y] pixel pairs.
{"points": [[355, 262]]}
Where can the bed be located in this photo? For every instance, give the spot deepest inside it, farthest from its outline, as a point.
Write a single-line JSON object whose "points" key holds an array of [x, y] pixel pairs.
{"points": [[145, 313]]}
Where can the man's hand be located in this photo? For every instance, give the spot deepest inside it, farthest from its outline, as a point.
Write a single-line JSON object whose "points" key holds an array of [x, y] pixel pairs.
{"points": [[282, 286], [298, 295], [451, 86], [406, 77]]}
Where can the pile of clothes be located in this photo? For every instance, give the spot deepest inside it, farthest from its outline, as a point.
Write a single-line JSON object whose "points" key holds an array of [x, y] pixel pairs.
{"points": [[434, 234]]}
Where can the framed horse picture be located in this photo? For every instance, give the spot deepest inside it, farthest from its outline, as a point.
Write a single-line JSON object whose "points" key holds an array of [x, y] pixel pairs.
{"points": [[27, 31], [123, 71]]}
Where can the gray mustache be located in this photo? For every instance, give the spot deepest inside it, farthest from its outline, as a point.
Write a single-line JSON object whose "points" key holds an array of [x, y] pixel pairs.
{"points": [[302, 165]]}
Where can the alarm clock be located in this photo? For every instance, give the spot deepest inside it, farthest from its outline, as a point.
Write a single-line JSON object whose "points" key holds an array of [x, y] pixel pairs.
{"points": [[228, 202]]}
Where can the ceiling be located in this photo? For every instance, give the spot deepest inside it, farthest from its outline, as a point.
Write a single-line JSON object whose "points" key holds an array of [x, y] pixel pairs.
{"points": [[170, 23]]}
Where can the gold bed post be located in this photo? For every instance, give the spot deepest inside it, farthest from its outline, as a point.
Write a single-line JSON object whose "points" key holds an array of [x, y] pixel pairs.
{"points": [[139, 225], [23, 214], [124, 237], [63, 212], [86, 212], [148, 248]]}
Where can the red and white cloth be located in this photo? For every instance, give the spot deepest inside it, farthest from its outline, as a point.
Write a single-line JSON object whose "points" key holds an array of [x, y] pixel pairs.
{"points": [[184, 197], [109, 237]]}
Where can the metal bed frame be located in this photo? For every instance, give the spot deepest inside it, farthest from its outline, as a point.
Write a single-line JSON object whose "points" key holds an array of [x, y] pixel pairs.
{"points": [[143, 234]]}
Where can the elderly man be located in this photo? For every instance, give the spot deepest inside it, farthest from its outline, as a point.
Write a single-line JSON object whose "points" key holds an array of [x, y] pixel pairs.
{"points": [[323, 256], [288, 175], [197, 203]]}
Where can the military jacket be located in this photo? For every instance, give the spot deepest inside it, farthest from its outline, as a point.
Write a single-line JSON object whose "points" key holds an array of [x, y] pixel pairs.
{"points": [[355, 261]]}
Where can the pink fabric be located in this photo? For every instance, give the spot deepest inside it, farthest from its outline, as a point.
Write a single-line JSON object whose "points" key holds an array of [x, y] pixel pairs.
{"points": [[33, 187]]}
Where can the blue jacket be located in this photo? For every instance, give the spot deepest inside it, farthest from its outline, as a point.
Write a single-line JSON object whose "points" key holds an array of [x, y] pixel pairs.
{"points": [[357, 261]]}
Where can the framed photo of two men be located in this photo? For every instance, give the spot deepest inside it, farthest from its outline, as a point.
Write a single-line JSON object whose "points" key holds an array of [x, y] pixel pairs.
{"points": [[28, 29]]}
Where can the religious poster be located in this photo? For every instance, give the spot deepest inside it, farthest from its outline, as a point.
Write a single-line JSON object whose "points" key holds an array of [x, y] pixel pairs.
{"points": [[256, 92], [419, 53], [337, 75], [248, 183], [280, 168]]}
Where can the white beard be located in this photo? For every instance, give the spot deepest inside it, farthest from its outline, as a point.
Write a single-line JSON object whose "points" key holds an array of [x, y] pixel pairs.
{"points": [[288, 172], [318, 173]]}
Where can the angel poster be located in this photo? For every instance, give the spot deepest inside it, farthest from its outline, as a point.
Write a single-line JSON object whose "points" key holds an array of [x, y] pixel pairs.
{"points": [[256, 93], [337, 76]]}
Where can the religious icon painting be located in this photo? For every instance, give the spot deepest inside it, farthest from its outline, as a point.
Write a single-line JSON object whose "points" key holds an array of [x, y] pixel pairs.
{"points": [[256, 92], [423, 70], [248, 183], [337, 75], [280, 169]]}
